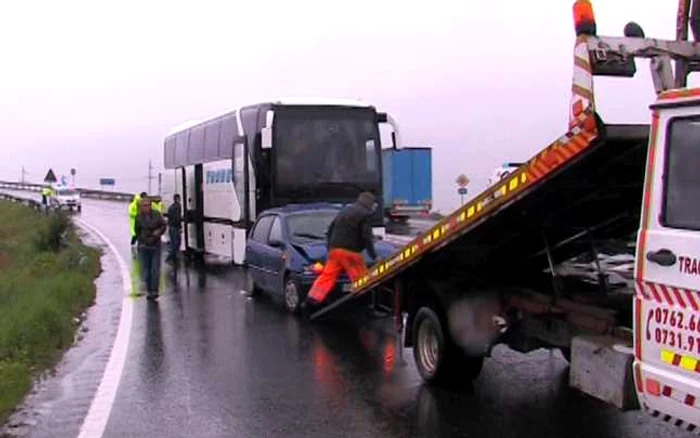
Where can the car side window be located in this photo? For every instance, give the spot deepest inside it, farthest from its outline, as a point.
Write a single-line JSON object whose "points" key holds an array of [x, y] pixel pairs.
{"points": [[276, 230], [262, 229]]}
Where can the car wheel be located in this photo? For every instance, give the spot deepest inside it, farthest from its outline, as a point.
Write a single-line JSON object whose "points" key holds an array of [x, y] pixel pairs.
{"points": [[438, 359], [255, 290], [292, 295]]}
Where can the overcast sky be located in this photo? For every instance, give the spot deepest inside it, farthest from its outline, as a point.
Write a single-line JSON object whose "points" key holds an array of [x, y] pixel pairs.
{"points": [[96, 88]]}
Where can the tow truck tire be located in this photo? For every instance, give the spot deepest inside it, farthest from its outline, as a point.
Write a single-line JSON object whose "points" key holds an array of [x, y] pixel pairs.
{"points": [[439, 361]]}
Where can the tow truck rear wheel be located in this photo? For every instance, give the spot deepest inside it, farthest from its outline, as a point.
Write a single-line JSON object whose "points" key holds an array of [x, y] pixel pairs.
{"points": [[439, 360]]}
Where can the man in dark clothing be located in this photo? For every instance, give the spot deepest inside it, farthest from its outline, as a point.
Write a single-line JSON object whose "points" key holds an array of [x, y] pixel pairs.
{"points": [[174, 227], [150, 226], [348, 235]]}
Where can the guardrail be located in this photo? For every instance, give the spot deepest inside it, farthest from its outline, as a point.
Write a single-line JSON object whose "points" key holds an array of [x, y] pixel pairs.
{"points": [[33, 203], [85, 193]]}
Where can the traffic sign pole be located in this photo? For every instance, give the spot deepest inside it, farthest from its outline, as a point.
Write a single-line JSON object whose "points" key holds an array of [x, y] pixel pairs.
{"points": [[462, 182], [462, 192]]}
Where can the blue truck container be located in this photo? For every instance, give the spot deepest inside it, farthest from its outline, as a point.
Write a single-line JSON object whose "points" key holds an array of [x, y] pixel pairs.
{"points": [[407, 182]]}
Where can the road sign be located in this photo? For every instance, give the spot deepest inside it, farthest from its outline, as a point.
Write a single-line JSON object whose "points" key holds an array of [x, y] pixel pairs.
{"points": [[107, 181], [50, 177], [462, 180], [462, 191]]}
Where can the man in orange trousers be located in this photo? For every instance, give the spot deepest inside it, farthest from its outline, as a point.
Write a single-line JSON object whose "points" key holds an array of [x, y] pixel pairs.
{"points": [[348, 235]]}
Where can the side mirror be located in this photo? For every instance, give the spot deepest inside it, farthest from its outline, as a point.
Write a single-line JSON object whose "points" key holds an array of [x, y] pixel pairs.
{"points": [[266, 138], [275, 243], [395, 132], [266, 132]]}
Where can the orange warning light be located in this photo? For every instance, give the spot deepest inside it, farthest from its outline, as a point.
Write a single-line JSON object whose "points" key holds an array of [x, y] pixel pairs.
{"points": [[317, 267], [584, 19]]}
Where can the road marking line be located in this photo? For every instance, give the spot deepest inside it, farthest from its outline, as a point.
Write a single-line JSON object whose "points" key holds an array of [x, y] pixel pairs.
{"points": [[95, 422]]}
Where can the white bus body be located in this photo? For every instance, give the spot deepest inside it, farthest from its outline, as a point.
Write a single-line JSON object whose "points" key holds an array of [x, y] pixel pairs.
{"points": [[297, 151]]}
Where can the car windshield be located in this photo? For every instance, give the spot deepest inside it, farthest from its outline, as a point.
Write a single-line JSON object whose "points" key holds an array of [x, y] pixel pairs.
{"points": [[312, 225], [67, 192]]}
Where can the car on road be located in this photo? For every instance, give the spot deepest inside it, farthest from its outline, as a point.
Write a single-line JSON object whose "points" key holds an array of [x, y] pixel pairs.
{"points": [[502, 172], [66, 198], [288, 247]]}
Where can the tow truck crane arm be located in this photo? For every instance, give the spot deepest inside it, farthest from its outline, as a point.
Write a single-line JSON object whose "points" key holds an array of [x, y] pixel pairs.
{"points": [[614, 56]]}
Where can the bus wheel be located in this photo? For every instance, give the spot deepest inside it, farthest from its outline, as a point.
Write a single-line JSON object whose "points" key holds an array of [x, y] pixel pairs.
{"points": [[439, 360]]}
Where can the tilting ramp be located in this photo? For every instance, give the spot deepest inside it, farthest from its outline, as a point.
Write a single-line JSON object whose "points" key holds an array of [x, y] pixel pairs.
{"points": [[588, 180]]}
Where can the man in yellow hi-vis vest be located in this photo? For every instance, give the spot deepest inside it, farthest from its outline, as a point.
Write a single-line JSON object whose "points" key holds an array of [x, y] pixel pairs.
{"points": [[46, 194], [133, 212], [157, 204]]}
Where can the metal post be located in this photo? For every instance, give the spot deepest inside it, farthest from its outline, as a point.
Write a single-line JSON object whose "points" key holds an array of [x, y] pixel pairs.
{"points": [[555, 276], [150, 177], [602, 280], [681, 80]]}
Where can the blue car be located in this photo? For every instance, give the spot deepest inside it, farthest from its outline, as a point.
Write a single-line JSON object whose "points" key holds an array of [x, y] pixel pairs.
{"points": [[288, 247]]}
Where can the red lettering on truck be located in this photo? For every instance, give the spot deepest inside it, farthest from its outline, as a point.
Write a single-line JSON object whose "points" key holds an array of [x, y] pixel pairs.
{"points": [[688, 265]]}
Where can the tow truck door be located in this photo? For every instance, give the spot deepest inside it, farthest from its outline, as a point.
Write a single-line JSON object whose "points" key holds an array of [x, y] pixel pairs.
{"points": [[667, 304]]}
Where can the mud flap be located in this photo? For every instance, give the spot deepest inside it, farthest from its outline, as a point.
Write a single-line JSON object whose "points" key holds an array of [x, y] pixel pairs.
{"points": [[603, 371]]}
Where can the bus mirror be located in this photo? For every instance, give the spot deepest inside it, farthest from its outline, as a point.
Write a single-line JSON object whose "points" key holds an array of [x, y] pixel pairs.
{"points": [[266, 138], [395, 134]]}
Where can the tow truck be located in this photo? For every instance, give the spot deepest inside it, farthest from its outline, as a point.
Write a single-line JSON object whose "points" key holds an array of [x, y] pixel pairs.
{"points": [[486, 274]]}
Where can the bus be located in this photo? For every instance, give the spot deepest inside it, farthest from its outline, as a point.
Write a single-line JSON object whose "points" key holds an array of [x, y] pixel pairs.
{"points": [[229, 168]]}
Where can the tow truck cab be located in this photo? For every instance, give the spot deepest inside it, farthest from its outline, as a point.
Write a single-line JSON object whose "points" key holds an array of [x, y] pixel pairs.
{"points": [[667, 271]]}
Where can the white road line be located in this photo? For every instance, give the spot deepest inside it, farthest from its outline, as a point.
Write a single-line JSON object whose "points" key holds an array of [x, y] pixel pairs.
{"points": [[96, 419]]}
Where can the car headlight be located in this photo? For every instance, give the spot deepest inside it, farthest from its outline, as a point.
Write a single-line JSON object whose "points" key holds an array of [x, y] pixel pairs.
{"points": [[316, 268]]}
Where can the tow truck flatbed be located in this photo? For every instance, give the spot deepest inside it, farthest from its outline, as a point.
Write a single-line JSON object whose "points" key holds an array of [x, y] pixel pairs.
{"points": [[588, 181]]}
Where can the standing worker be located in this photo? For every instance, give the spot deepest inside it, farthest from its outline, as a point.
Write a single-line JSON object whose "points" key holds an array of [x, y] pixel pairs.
{"points": [[174, 227], [46, 194], [133, 212], [150, 226], [157, 204], [348, 235]]}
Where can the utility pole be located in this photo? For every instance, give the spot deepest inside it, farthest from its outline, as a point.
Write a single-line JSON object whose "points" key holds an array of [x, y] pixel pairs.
{"points": [[24, 172], [150, 176]]}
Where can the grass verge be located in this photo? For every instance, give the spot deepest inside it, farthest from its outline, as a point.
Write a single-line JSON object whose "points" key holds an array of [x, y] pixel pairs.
{"points": [[46, 281]]}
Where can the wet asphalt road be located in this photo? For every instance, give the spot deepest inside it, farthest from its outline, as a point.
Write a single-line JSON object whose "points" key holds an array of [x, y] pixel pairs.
{"points": [[206, 361]]}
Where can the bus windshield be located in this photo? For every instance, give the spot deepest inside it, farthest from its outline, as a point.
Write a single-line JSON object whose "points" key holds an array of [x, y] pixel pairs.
{"points": [[317, 147]]}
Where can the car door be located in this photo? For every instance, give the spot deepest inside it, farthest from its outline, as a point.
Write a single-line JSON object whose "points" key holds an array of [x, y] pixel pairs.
{"points": [[275, 255], [667, 308], [255, 250]]}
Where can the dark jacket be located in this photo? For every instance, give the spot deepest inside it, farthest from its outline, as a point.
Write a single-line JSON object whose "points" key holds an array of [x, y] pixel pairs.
{"points": [[149, 228], [175, 215], [351, 230]]}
